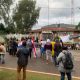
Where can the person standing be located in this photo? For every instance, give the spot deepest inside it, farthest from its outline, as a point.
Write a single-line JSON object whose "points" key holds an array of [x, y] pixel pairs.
{"points": [[10, 46], [52, 52], [48, 49], [30, 46], [2, 53], [65, 60], [57, 50], [14, 47], [34, 48], [22, 54], [42, 49]]}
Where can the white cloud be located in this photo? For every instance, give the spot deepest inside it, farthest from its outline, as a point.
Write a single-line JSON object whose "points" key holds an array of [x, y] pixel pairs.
{"points": [[60, 11], [55, 4], [42, 3]]}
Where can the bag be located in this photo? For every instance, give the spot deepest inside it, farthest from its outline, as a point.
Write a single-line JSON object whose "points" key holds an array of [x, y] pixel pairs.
{"points": [[68, 63], [29, 44]]}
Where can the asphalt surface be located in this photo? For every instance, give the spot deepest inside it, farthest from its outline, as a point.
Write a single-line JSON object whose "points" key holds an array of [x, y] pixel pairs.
{"points": [[40, 65]]}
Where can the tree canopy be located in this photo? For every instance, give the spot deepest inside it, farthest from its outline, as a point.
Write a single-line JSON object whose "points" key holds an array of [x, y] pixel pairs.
{"points": [[5, 6], [25, 15], [78, 26], [2, 28]]}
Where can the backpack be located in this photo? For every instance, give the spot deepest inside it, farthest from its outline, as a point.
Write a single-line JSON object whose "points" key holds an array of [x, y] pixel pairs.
{"points": [[29, 44], [68, 63]]}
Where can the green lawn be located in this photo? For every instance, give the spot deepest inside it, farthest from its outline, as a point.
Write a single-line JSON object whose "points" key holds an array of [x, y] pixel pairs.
{"points": [[11, 75]]}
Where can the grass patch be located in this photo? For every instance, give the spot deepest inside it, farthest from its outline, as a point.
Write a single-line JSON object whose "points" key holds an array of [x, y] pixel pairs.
{"points": [[11, 75]]}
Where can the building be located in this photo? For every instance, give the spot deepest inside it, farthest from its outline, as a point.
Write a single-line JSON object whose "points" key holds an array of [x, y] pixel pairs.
{"points": [[62, 29]]}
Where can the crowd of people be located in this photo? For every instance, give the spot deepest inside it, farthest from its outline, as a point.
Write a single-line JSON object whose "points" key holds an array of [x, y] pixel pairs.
{"points": [[53, 51]]}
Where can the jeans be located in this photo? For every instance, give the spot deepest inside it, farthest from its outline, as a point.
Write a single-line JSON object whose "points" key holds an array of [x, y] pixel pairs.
{"points": [[2, 58], [48, 55], [68, 76], [55, 58]]}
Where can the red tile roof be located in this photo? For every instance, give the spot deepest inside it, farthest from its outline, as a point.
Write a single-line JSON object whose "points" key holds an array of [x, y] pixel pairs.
{"points": [[58, 29], [62, 29]]}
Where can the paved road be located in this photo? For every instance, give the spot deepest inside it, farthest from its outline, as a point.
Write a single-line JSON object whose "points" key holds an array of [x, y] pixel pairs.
{"points": [[39, 65]]}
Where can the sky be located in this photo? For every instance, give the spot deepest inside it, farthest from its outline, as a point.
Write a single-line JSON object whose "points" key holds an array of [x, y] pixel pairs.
{"points": [[57, 11]]}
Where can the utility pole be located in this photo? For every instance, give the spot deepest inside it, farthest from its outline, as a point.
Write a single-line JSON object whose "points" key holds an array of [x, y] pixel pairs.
{"points": [[72, 12], [48, 12]]}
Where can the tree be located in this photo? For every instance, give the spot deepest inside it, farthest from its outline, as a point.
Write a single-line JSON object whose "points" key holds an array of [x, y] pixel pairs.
{"points": [[26, 15], [2, 28], [5, 11], [78, 26], [10, 29]]}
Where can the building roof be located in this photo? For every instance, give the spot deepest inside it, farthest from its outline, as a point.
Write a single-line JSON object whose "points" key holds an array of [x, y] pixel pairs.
{"points": [[63, 29], [55, 29], [60, 27]]}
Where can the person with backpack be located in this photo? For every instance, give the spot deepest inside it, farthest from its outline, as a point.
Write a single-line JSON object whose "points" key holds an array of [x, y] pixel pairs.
{"points": [[22, 54], [65, 60]]}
